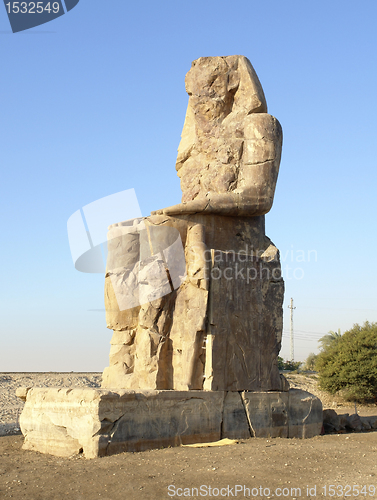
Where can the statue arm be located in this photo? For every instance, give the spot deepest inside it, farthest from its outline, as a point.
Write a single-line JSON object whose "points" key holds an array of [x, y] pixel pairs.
{"points": [[231, 204], [257, 175]]}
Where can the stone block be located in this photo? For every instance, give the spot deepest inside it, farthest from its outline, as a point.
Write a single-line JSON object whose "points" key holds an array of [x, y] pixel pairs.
{"points": [[354, 423], [245, 322], [267, 413], [305, 414], [99, 422], [21, 392], [373, 421], [343, 419], [331, 421], [365, 424], [235, 424]]}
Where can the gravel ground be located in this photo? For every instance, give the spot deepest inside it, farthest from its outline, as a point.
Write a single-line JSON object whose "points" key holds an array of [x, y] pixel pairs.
{"points": [[331, 466], [337, 466]]}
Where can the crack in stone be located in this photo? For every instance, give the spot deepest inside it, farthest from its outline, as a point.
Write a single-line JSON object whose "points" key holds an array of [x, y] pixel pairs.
{"points": [[251, 430], [112, 431]]}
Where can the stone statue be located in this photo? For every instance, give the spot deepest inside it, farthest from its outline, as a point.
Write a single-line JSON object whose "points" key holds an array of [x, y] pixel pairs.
{"points": [[221, 328], [229, 155], [194, 295]]}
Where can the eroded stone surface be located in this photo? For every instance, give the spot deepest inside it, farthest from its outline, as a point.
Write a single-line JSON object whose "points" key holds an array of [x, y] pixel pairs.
{"points": [[221, 329], [245, 324], [305, 414], [235, 424], [229, 154], [214, 323], [99, 422], [267, 413]]}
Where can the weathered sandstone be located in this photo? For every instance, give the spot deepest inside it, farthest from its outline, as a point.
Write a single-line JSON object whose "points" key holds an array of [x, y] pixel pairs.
{"points": [[207, 314], [98, 422]]}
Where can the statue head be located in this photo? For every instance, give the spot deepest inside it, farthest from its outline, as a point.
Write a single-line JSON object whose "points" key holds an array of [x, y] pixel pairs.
{"points": [[216, 85]]}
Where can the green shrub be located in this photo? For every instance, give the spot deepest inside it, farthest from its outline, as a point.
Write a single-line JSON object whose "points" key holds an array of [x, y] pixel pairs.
{"points": [[280, 363], [310, 361], [349, 364], [288, 365]]}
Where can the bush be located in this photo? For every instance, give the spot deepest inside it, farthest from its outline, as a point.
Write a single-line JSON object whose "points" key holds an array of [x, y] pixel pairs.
{"points": [[288, 365], [310, 361], [280, 363], [292, 365], [349, 364]]}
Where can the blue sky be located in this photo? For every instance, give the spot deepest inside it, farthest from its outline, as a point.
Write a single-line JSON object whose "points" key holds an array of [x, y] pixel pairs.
{"points": [[93, 103]]}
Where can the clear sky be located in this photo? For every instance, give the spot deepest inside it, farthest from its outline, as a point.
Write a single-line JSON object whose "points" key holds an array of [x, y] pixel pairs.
{"points": [[93, 103]]}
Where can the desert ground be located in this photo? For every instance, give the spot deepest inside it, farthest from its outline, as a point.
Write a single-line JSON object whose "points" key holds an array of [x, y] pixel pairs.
{"points": [[339, 465]]}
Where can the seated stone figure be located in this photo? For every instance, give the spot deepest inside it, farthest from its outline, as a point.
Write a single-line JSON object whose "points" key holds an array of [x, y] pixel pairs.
{"points": [[221, 328], [229, 155]]}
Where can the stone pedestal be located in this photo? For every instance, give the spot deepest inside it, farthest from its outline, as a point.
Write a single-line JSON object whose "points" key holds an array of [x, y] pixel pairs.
{"points": [[98, 422]]}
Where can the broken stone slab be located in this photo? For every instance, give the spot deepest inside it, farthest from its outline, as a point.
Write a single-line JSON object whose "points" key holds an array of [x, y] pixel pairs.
{"points": [[334, 423], [99, 422], [305, 414], [365, 424], [343, 419], [354, 423], [373, 421], [21, 392], [331, 421], [267, 413], [235, 424]]}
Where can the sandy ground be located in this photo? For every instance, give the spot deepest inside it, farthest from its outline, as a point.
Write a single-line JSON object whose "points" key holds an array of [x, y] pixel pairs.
{"points": [[325, 466]]}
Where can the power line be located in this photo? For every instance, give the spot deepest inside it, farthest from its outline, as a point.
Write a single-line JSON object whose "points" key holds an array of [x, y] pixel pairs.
{"points": [[304, 335], [337, 308], [300, 339], [306, 331]]}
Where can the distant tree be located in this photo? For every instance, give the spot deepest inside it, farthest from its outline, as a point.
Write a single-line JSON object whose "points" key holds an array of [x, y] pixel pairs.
{"points": [[288, 365], [280, 363], [327, 340], [348, 363], [292, 365], [310, 361]]}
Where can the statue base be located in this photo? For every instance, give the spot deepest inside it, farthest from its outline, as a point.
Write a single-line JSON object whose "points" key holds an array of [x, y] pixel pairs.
{"points": [[99, 422]]}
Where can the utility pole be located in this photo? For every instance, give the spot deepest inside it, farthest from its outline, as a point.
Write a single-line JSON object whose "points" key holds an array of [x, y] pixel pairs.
{"points": [[292, 348]]}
